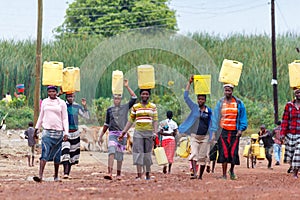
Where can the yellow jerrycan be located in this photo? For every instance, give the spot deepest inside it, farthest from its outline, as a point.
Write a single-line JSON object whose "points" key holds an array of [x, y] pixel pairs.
{"points": [[230, 72], [160, 156], [294, 73], [202, 84], [262, 153], [246, 150], [71, 79], [184, 148], [52, 73], [146, 76], [255, 149], [117, 82]]}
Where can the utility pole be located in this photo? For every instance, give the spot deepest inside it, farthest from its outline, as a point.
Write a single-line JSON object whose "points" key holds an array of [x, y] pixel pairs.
{"points": [[274, 64], [38, 63]]}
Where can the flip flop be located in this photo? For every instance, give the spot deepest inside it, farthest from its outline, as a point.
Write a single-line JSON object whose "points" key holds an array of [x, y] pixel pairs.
{"points": [[108, 177], [37, 179]]}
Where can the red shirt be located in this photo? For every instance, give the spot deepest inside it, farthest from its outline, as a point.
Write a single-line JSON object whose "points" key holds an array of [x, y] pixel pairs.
{"points": [[290, 119]]}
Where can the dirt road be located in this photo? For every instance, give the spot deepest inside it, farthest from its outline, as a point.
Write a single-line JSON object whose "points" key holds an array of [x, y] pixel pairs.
{"points": [[88, 183]]}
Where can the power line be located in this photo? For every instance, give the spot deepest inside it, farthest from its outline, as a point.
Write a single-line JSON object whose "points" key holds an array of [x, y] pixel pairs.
{"points": [[283, 18]]}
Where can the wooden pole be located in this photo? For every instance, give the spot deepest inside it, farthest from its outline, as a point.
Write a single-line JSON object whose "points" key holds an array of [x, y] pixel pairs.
{"points": [[38, 64], [274, 64]]}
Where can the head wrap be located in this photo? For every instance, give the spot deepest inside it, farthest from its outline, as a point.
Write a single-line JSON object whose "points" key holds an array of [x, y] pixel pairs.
{"points": [[263, 126], [52, 87], [228, 85], [148, 90]]}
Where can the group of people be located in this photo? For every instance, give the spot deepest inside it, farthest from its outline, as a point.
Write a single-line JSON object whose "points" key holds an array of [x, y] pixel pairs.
{"points": [[220, 128]]}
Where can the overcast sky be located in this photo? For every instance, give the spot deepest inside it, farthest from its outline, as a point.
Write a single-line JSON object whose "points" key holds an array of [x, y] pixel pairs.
{"points": [[18, 18]]}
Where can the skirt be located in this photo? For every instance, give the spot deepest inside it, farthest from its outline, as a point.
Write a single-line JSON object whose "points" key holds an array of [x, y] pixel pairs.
{"points": [[169, 146], [51, 145], [228, 145], [71, 149]]}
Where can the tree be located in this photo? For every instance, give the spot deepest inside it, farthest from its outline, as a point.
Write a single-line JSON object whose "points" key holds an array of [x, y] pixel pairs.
{"points": [[110, 17]]}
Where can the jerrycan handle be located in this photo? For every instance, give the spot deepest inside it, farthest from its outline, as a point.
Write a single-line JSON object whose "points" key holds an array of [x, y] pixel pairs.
{"points": [[235, 62], [296, 61], [69, 67]]}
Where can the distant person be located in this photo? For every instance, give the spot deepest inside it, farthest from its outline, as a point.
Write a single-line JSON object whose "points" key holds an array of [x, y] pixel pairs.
{"points": [[54, 120], [212, 159], [278, 141], [268, 141], [71, 147], [116, 119], [167, 131], [290, 127], [8, 97], [4, 98], [229, 121], [197, 125], [31, 138]]}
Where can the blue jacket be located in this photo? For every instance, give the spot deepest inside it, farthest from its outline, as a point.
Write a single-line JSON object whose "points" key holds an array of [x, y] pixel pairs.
{"points": [[186, 126], [241, 122]]}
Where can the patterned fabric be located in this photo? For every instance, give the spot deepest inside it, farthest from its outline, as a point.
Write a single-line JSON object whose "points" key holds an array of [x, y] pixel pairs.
{"points": [[277, 136], [229, 113], [290, 119], [144, 115], [74, 110], [51, 145], [71, 149], [168, 126], [169, 146], [292, 150], [228, 146]]}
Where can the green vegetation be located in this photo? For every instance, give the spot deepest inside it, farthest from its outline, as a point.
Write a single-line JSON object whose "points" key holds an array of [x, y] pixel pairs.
{"points": [[17, 61], [107, 18]]}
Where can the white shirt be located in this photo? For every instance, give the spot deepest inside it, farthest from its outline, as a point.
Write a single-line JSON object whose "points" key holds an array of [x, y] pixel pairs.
{"points": [[168, 126]]}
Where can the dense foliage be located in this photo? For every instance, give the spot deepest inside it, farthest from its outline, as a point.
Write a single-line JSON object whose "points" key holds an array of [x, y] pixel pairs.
{"points": [[108, 18]]}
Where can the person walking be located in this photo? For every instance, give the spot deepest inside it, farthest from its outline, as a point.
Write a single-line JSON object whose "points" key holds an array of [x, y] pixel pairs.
{"points": [[197, 125], [145, 115], [116, 119], [54, 120], [268, 141], [71, 148], [31, 137], [167, 132], [278, 141], [229, 121], [290, 127]]}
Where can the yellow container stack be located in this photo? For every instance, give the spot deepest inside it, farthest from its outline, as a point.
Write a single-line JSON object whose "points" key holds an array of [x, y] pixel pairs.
{"points": [[294, 73], [117, 82], [71, 79], [202, 84], [230, 72], [52, 73], [146, 77]]}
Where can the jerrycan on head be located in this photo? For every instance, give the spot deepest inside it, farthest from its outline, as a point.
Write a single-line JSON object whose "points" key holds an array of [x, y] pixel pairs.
{"points": [[52, 73], [230, 72], [146, 77], [117, 82], [294, 73]]}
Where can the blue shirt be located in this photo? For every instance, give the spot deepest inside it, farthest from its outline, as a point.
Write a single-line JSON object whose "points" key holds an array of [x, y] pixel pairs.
{"points": [[195, 123]]}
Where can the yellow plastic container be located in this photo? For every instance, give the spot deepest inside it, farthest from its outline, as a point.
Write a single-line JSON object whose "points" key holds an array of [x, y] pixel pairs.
{"points": [[52, 73], [230, 72], [146, 78], [71, 79], [202, 84], [184, 148], [255, 149], [294, 73], [117, 82], [262, 153], [246, 150], [160, 156]]}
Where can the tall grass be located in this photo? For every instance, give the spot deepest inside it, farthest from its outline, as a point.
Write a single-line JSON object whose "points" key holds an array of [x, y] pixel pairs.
{"points": [[17, 61]]}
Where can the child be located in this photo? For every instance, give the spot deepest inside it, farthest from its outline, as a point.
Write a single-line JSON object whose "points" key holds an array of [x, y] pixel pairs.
{"points": [[30, 136]]}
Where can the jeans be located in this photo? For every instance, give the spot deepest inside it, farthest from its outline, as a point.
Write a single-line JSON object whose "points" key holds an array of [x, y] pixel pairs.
{"points": [[277, 152]]}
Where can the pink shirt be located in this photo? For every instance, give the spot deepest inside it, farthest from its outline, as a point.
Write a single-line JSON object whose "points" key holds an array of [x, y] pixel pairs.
{"points": [[53, 115]]}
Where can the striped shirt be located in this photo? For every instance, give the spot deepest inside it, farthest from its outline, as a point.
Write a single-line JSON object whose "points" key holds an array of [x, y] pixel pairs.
{"points": [[144, 115], [229, 113]]}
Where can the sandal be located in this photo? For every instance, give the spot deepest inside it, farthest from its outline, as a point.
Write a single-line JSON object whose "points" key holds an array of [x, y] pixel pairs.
{"points": [[108, 177], [232, 175], [208, 169], [37, 179]]}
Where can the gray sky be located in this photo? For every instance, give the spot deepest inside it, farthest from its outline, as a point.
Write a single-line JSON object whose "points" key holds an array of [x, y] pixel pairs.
{"points": [[18, 18]]}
